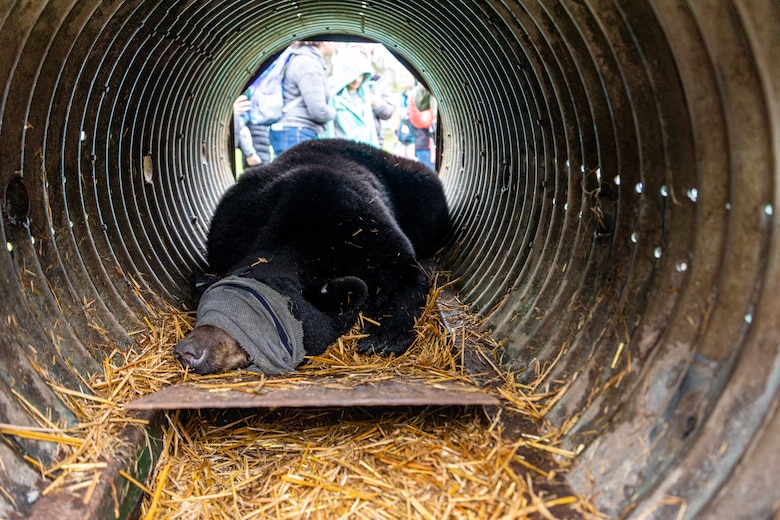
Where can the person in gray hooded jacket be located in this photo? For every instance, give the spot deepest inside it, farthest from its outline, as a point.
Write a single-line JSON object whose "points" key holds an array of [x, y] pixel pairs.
{"points": [[306, 110]]}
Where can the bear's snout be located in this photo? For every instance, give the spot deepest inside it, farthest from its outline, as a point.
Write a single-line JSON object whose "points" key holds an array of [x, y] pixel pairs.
{"points": [[189, 352], [210, 350]]}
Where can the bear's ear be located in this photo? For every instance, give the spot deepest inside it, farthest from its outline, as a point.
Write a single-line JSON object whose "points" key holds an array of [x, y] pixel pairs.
{"points": [[340, 295]]}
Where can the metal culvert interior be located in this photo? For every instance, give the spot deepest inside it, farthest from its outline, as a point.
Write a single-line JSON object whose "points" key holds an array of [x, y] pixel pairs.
{"points": [[612, 169]]}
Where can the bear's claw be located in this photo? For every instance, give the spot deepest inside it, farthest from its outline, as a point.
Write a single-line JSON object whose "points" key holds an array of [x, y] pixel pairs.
{"points": [[386, 344]]}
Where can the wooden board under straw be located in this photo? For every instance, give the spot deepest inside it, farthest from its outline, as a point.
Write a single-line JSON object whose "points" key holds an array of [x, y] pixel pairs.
{"points": [[412, 462]]}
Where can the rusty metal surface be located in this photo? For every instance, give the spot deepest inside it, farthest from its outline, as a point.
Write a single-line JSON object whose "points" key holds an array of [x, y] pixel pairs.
{"points": [[115, 496], [312, 391], [478, 358], [613, 173]]}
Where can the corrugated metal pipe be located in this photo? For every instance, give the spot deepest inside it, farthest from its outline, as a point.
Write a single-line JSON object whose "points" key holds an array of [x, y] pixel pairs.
{"points": [[612, 167]]}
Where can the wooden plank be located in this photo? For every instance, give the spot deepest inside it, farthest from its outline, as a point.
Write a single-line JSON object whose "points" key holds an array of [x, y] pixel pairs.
{"points": [[308, 391]]}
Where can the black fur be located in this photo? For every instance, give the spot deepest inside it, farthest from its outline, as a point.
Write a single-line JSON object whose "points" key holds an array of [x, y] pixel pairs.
{"points": [[339, 228]]}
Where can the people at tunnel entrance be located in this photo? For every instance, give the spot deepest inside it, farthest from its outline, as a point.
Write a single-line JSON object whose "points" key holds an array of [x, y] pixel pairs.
{"points": [[252, 151], [261, 140], [306, 96], [343, 90], [357, 98], [422, 116]]}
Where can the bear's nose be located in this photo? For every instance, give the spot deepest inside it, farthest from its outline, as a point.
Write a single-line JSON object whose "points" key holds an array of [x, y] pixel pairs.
{"points": [[189, 352]]}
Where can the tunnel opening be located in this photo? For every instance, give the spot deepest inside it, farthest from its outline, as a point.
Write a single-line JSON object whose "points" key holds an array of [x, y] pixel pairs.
{"points": [[611, 168], [394, 80]]}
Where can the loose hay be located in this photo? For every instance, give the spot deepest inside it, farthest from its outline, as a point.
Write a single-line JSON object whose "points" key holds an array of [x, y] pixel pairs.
{"points": [[433, 462]]}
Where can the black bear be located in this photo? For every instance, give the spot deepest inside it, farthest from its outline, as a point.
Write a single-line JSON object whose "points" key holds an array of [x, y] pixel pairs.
{"points": [[300, 247]]}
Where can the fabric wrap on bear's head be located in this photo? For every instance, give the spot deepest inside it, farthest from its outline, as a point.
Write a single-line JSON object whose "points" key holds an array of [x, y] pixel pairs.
{"points": [[258, 318]]}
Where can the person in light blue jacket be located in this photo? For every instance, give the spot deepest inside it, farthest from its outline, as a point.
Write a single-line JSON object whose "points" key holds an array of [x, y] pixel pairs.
{"points": [[353, 100]]}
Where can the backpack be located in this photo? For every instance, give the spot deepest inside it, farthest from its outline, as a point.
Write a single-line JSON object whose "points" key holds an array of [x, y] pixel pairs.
{"points": [[419, 118], [405, 131], [266, 93]]}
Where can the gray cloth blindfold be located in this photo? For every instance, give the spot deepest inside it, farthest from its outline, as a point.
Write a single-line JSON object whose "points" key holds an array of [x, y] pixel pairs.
{"points": [[258, 318]]}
